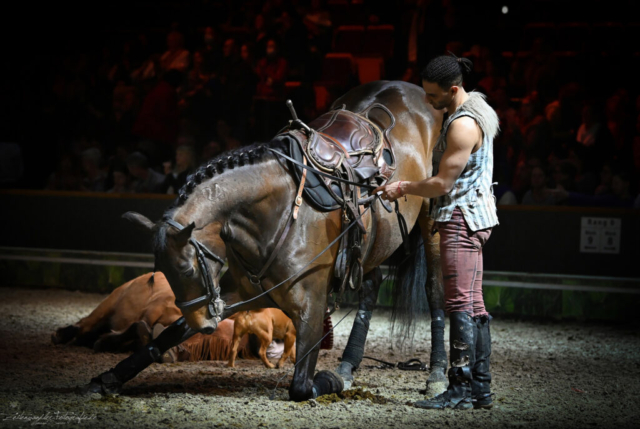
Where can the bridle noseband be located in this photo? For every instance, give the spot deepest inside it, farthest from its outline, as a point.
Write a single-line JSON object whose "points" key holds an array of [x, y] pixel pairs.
{"points": [[212, 298]]}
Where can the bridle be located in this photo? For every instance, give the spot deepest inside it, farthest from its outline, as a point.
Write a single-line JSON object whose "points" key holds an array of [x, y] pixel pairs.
{"points": [[212, 297]]}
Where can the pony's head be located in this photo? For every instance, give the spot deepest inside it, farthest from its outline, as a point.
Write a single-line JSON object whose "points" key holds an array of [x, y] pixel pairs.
{"points": [[176, 257]]}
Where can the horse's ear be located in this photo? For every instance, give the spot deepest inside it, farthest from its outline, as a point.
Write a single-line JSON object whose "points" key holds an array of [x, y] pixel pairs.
{"points": [[139, 220], [183, 236]]}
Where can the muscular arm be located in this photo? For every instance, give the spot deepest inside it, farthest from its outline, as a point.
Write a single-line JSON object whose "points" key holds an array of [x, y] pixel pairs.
{"points": [[462, 137]]}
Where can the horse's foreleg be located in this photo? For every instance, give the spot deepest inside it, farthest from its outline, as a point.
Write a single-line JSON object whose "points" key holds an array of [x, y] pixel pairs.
{"points": [[308, 333], [437, 381], [111, 381], [354, 351]]}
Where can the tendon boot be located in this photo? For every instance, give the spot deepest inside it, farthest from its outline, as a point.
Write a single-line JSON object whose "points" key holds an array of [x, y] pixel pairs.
{"points": [[462, 335], [481, 382]]}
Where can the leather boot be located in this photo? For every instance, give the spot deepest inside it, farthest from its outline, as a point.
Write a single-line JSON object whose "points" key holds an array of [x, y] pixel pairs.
{"points": [[481, 382], [462, 336]]}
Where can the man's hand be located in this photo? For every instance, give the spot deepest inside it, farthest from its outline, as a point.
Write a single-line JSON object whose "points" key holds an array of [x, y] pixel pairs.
{"points": [[390, 191]]}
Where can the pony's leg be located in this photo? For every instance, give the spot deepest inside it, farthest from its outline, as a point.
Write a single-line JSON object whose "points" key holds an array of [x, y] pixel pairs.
{"points": [[437, 381], [116, 341], [289, 350], [238, 333], [265, 337], [354, 351], [308, 332], [111, 381]]}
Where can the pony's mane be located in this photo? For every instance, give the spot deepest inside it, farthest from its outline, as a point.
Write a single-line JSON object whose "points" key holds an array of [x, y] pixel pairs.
{"points": [[247, 155]]}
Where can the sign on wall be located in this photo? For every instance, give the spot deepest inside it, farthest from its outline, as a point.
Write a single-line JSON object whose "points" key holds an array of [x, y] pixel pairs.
{"points": [[600, 235]]}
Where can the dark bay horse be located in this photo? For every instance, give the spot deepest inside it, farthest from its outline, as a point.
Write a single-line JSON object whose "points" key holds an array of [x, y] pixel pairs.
{"points": [[235, 208]]}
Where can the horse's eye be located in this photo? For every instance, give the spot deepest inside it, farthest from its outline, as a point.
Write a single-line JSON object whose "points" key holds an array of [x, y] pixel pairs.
{"points": [[188, 272]]}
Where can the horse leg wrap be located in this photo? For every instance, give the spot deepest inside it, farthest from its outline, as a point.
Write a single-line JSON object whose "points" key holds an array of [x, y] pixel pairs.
{"points": [[354, 350], [111, 381], [438, 353]]}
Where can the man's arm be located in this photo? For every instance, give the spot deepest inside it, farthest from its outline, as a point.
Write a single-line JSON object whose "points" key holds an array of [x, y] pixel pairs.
{"points": [[462, 137]]}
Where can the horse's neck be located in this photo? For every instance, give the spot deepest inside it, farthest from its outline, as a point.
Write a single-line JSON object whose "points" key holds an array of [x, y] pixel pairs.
{"points": [[250, 199]]}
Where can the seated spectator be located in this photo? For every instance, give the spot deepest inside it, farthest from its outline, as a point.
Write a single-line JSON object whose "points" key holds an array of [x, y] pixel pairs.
{"points": [[146, 180], [272, 73], [620, 197], [175, 57], [94, 178], [159, 116], [211, 150], [120, 179], [212, 51], [564, 176], [226, 137], [66, 177], [176, 176], [538, 195]]}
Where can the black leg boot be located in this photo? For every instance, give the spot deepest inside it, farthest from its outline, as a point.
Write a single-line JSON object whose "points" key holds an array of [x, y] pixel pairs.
{"points": [[462, 338], [481, 383]]}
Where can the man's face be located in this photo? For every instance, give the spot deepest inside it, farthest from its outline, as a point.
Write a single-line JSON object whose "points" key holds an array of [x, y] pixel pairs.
{"points": [[436, 96]]}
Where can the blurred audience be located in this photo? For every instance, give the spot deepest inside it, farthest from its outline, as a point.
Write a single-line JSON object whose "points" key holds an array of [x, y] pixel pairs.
{"points": [[204, 90]]}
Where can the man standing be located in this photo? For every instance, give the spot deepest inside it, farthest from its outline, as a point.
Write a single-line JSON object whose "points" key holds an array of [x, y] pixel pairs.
{"points": [[464, 210]]}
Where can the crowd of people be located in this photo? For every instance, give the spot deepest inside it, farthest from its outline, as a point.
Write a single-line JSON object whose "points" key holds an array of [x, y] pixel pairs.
{"points": [[135, 120]]}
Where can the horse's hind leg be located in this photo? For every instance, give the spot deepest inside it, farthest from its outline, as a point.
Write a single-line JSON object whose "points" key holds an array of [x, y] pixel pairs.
{"points": [[437, 381], [111, 381], [354, 351]]}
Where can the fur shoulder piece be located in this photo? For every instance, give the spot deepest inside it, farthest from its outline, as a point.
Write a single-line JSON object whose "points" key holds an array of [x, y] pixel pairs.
{"points": [[485, 115]]}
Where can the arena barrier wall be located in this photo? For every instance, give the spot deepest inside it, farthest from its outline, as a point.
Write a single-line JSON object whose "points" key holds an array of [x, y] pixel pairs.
{"points": [[538, 261]]}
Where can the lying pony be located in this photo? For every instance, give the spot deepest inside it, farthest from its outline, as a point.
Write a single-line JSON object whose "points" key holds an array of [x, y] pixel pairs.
{"points": [[136, 312]]}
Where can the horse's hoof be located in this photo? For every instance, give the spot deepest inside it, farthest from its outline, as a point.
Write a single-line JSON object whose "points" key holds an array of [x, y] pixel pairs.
{"points": [[327, 382], [144, 333], [437, 382], [64, 335], [345, 370], [170, 356], [104, 384]]}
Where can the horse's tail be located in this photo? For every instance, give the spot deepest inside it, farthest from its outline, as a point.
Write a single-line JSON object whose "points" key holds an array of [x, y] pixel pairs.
{"points": [[409, 278]]}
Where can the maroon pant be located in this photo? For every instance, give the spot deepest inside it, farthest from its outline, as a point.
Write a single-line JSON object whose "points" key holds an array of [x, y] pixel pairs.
{"points": [[461, 256]]}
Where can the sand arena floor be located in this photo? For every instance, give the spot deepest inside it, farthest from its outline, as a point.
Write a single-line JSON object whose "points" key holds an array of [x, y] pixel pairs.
{"points": [[546, 374]]}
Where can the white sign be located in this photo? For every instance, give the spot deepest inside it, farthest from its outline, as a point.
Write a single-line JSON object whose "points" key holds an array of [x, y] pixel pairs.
{"points": [[600, 235]]}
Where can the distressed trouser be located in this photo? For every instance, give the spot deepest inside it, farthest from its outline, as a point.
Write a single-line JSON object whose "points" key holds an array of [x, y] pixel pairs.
{"points": [[461, 258]]}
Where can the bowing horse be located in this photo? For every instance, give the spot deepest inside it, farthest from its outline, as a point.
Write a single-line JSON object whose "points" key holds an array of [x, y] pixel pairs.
{"points": [[295, 220]]}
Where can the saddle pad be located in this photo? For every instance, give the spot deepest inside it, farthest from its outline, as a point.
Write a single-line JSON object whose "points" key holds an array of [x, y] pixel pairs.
{"points": [[315, 189]]}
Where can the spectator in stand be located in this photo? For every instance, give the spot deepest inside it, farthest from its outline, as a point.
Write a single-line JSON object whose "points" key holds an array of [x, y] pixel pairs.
{"points": [[66, 177], [94, 177], [211, 150], [212, 51], [493, 80], [159, 116], [120, 179], [606, 176], [564, 176], [620, 197], [539, 194], [226, 136], [175, 57], [318, 23], [176, 176], [146, 179], [293, 35], [272, 73]]}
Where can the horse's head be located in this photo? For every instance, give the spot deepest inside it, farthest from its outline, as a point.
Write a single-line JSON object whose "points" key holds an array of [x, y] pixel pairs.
{"points": [[191, 270]]}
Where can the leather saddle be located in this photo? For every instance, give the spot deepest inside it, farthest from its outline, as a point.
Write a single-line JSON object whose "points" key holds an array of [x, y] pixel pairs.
{"points": [[347, 145]]}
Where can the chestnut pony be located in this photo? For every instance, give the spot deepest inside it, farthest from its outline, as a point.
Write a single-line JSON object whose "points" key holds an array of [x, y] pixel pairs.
{"points": [[235, 208]]}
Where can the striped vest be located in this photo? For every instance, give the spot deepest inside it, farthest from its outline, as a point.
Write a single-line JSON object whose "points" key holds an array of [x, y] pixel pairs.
{"points": [[473, 190]]}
